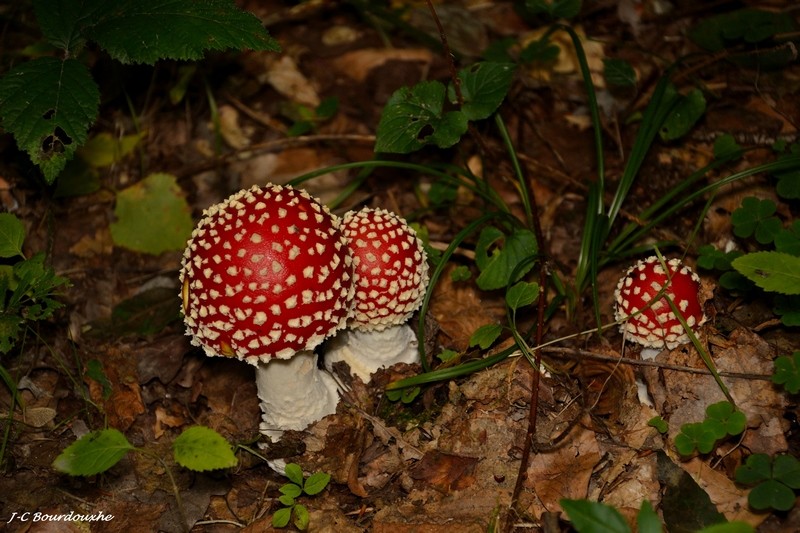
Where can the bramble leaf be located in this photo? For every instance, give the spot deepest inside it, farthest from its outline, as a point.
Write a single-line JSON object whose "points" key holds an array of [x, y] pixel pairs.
{"points": [[93, 453], [144, 31], [48, 104], [200, 448], [772, 271]]}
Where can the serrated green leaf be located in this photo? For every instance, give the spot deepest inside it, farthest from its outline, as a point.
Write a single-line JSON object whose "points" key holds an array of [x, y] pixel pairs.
{"points": [[521, 294], [683, 116], [594, 517], [484, 87], [152, 216], [415, 117], [787, 372], [294, 473], [48, 104], [200, 448], [499, 256], [301, 517], [93, 453], [12, 235], [485, 335], [316, 483], [772, 271], [647, 519], [618, 72], [144, 31], [281, 517], [63, 21]]}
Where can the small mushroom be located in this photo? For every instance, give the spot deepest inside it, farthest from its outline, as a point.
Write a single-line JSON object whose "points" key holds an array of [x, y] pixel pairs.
{"points": [[657, 327], [391, 275], [266, 277]]}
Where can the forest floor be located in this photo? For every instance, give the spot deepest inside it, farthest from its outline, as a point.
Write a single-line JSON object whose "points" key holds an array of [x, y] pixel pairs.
{"points": [[449, 460]]}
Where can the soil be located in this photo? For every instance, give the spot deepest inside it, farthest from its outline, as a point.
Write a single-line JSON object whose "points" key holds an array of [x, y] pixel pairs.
{"points": [[450, 459]]}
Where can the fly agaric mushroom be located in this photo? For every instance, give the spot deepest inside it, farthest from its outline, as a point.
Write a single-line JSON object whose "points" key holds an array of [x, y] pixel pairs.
{"points": [[656, 326], [391, 275], [266, 277]]}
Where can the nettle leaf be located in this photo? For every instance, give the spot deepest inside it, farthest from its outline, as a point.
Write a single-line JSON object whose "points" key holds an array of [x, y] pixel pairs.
{"points": [[93, 453], [772, 271], [48, 105], [485, 335], [787, 372], [499, 256], [484, 86], [414, 117], [12, 235], [683, 116], [522, 294], [200, 449], [144, 31], [594, 517], [152, 216]]}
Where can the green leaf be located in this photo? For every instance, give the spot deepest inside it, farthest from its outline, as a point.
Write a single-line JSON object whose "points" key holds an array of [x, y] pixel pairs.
{"points": [[316, 483], [94, 370], [729, 527], [683, 116], [291, 489], [772, 271], [786, 469], [788, 240], [485, 335], [48, 105], [415, 117], [460, 273], [787, 372], [555, 8], [10, 328], [499, 256], [200, 449], [63, 21], [724, 419], [771, 494], [747, 25], [788, 185], [484, 87], [301, 517], [281, 517], [754, 217], [788, 308], [93, 453], [659, 423], [647, 519], [12, 235], [756, 468], [286, 500], [447, 355], [294, 473], [695, 436], [521, 294], [103, 149], [618, 72], [725, 145], [144, 31], [152, 216], [594, 517]]}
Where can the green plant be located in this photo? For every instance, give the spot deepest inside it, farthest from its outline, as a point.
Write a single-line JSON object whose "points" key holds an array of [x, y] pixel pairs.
{"points": [[298, 486], [49, 102], [594, 517], [787, 372], [27, 287], [775, 479], [722, 420]]}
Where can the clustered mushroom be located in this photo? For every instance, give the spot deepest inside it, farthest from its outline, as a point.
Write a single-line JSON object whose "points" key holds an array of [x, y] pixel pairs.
{"points": [[654, 325], [391, 275], [266, 277], [270, 273]]}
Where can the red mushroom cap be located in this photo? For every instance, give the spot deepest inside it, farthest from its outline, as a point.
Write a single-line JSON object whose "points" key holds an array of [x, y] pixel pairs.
{"points": [[391, 270], [266, 273], [657, 326]]}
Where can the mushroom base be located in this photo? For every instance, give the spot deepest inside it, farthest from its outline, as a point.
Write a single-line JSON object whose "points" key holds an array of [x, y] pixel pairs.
{"points": [[294, 393], [367, 351]]}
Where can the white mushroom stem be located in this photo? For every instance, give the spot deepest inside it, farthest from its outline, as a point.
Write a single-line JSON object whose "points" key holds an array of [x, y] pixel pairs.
{"points": [[368, 351], [294, 393]]}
